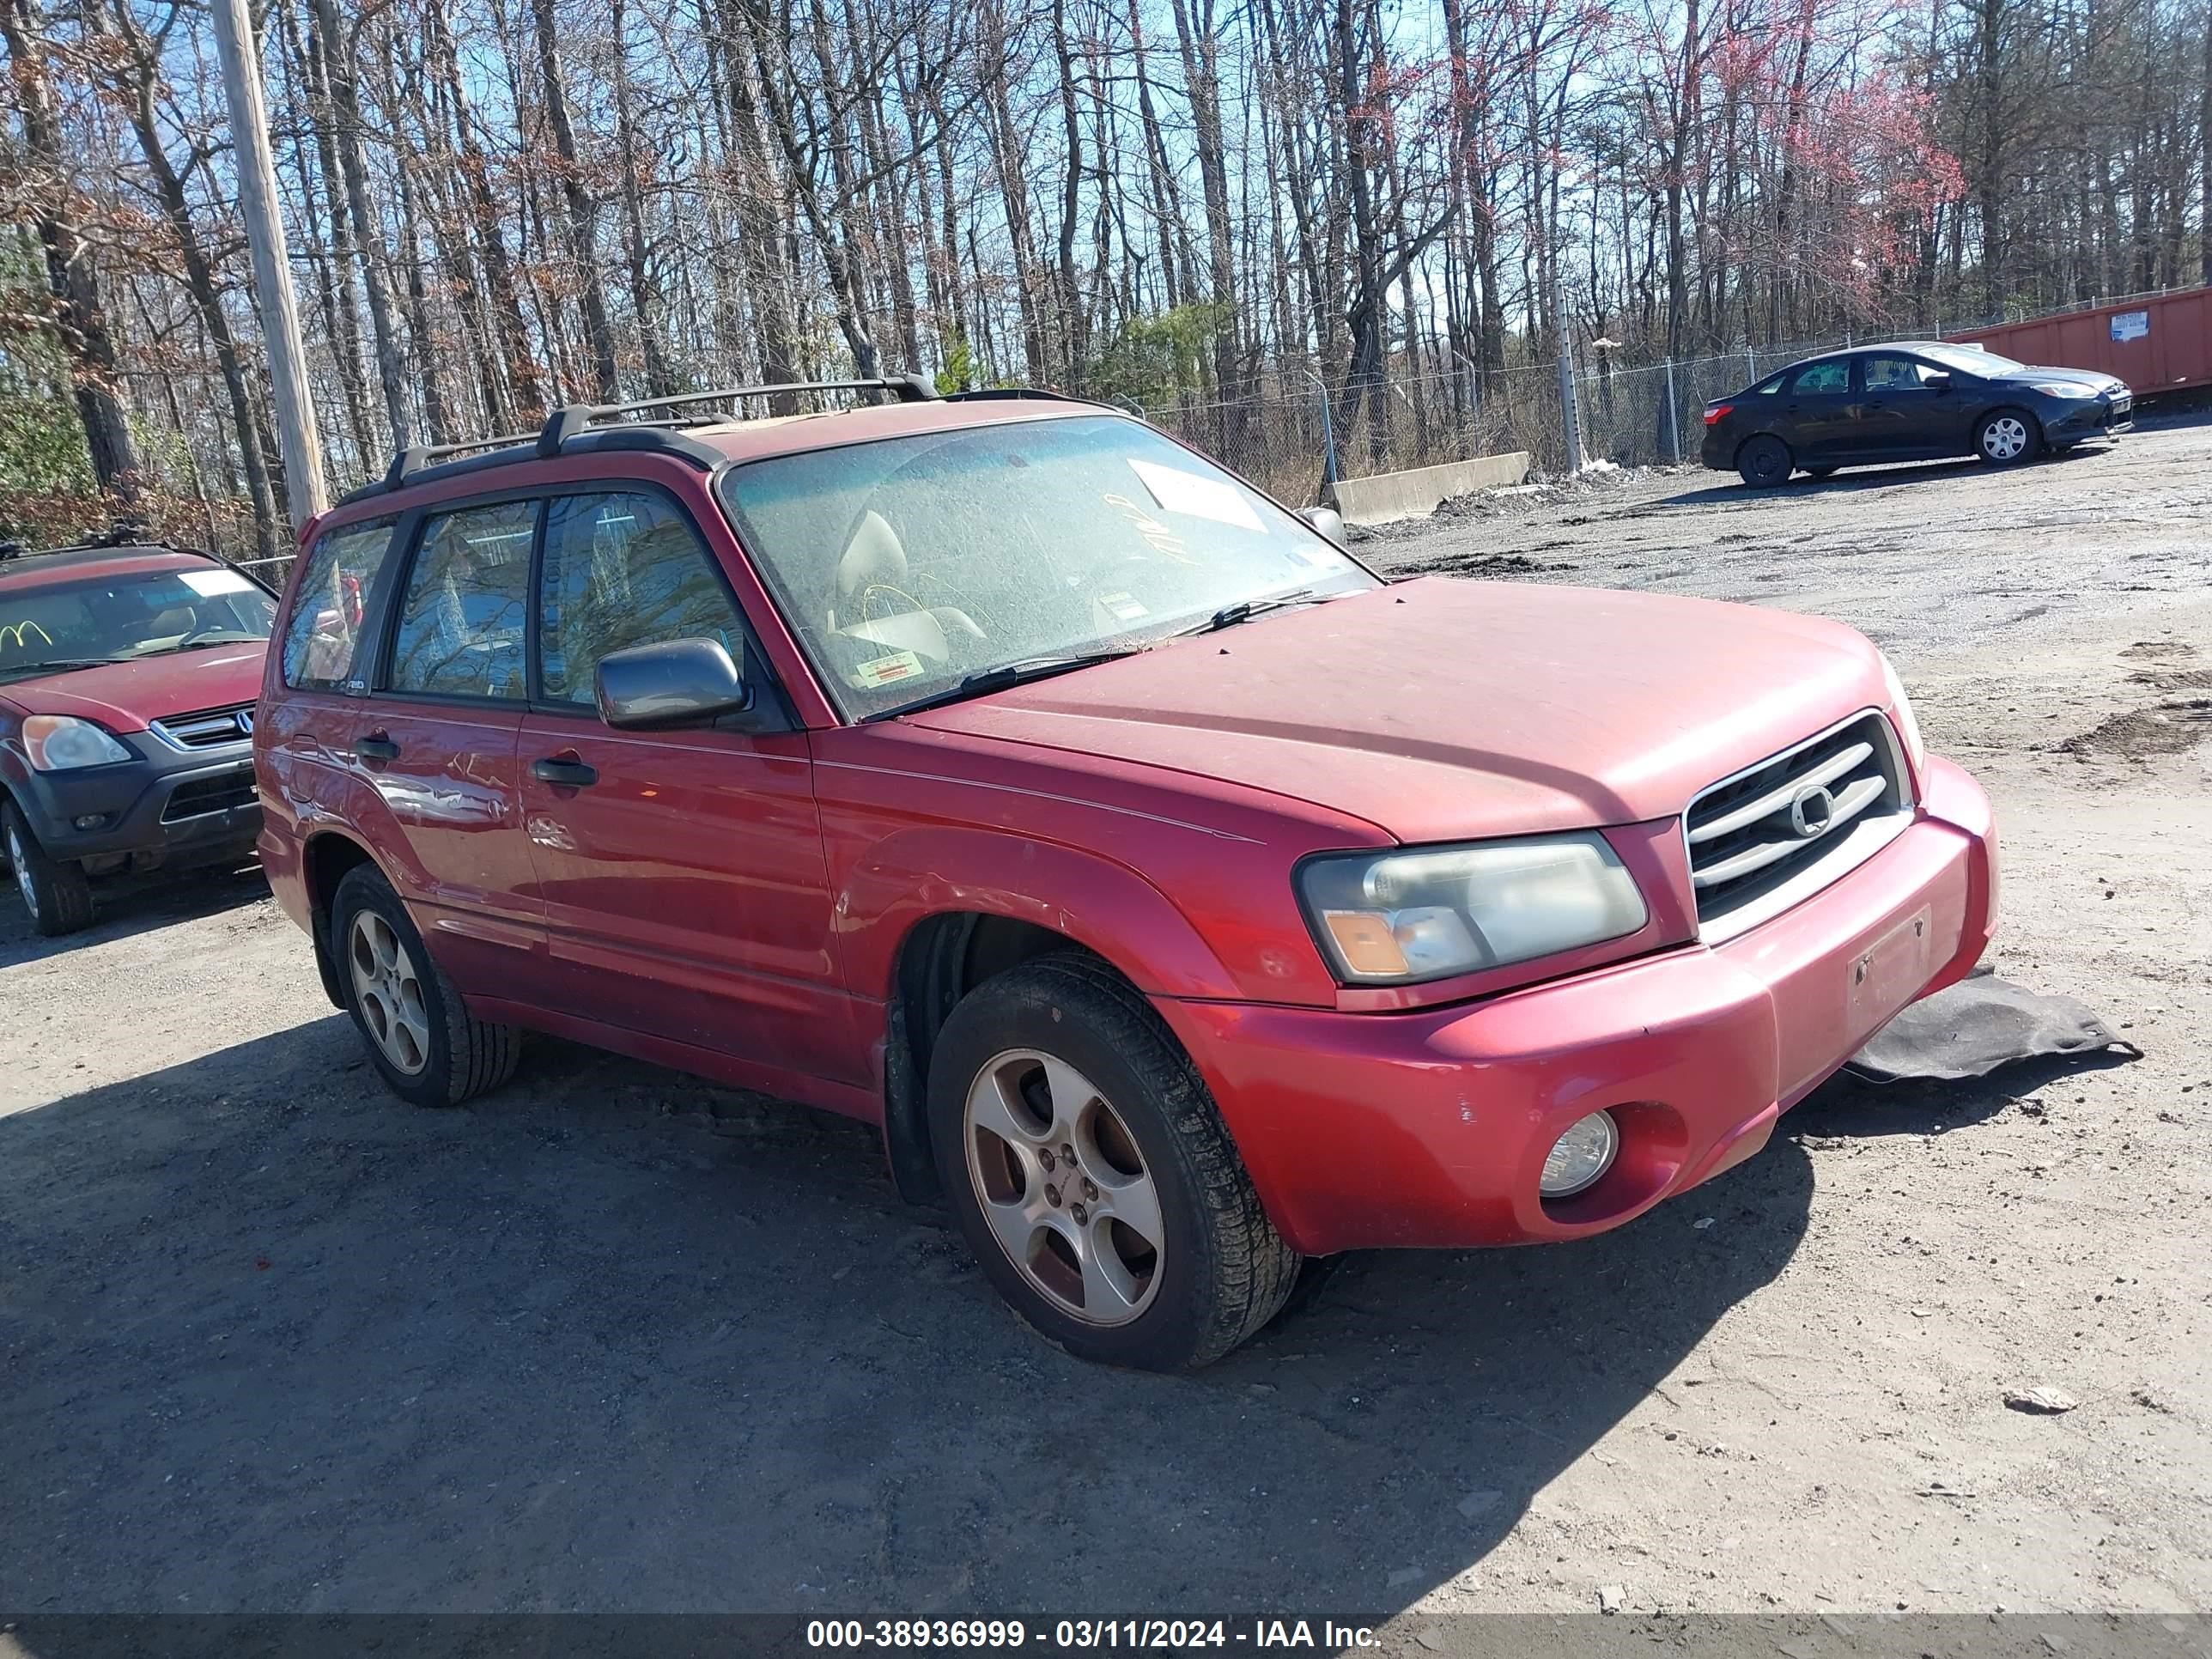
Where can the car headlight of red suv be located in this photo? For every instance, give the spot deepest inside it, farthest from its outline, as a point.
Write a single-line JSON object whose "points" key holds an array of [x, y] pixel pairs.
{"points": [[61, 743], [1406, 915], [1901, 715]]}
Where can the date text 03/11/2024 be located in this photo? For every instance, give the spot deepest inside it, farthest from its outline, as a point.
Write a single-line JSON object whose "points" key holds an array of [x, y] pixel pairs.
{"points": [[1167, 1634]]}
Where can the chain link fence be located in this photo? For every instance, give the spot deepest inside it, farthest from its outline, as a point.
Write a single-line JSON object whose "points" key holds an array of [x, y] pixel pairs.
{"points": [[1294, 427], [1289, 431]]}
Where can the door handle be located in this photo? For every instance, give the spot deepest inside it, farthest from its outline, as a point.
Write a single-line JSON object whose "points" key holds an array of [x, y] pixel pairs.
{"points": [[376, 746], [566, 773]]}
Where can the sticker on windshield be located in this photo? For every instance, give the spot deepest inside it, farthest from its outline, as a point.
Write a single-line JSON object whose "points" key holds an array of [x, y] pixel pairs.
{"points": [[209, 583], [1123, 607], [886, 671], [1201, 498]]}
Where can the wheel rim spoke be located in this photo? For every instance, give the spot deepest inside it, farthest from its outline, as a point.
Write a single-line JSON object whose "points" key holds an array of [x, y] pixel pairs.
{"points": [[1136, 1205], [1070, 1091], [1111, 1293], [992, 1110]]}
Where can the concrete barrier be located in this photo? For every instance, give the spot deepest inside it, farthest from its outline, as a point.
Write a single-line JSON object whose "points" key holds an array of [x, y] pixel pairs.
{"points": [[1390, 496]]}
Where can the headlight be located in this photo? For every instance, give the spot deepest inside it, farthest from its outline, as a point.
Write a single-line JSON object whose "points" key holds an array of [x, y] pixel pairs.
{"points": [[1398, 918], [2060, 389], [1908, 728], [58, 743]]}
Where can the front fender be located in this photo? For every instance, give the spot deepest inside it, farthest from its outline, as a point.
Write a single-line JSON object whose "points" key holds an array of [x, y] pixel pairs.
{"points": [[915, 874]]}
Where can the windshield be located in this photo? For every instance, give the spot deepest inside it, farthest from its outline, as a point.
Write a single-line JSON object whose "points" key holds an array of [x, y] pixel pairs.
{"points": [[1969, 360], [908, 565], [55, 627]]}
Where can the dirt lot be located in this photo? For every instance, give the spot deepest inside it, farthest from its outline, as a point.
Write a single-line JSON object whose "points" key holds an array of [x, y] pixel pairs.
{"points": [[614, 1339]]}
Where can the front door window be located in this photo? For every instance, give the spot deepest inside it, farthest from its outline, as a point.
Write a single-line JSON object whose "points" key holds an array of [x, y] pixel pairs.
{"points": [[461, 620]]}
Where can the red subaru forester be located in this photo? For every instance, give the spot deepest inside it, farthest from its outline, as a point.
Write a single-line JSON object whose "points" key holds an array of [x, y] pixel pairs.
{"points": [[1181, 899]]}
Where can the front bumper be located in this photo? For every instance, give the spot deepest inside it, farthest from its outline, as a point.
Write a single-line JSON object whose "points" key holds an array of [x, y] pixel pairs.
{"points": [[2098, 417], [1368, 1130], [158, 807]]}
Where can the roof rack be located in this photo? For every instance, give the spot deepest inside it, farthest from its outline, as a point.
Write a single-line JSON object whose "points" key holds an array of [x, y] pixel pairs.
{"points": [[578, 426]]}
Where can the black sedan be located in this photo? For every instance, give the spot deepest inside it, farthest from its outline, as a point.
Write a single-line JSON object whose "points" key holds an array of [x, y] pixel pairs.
{"points": [[1912, 400]]}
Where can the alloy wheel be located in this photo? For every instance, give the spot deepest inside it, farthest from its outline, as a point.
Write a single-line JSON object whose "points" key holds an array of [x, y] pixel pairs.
{"points": [[1063, 1188], [2005, 439], [20, 862], [388, 992]]}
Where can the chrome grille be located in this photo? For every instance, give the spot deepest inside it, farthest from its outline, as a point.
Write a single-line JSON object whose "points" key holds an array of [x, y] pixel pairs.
{"points": [[210, 728], [1760, 830]]}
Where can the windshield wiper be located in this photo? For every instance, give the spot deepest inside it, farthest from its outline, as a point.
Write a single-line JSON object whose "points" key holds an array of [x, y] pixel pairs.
{"points": [[59, 664], [1244, 609], [1011, 673], [235, 637]]}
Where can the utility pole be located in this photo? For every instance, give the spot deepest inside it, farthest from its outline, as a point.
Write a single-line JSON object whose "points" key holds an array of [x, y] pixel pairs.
{"points": [[1570, 422], [272, 271]]}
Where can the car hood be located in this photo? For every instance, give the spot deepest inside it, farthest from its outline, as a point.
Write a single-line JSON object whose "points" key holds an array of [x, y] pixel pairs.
{"points": [[2089, 380], [1442, 709], [122, 697]]}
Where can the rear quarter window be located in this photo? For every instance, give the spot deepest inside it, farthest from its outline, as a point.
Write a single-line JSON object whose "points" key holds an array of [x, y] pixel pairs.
{"points": [[322, 636]]}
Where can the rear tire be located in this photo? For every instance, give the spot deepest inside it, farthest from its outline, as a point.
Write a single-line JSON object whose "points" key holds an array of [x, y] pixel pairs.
{"points": [[422, 1040], [54, 890], [1764, 462], [1150, 1250], [2006, 437]]}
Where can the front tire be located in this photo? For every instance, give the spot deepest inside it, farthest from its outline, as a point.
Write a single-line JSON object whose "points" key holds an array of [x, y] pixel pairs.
{"points": [[54, 891], [424, 1042], [1764, 462], [1091, 1173], [2007, 437]]}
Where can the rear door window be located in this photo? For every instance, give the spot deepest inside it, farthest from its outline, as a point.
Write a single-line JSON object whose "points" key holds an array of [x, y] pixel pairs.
{"points": [[1821, 378], [461, 618], [623, 570], [323, 634]]}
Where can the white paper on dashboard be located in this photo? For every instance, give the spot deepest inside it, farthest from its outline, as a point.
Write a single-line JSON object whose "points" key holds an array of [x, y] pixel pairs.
{"points": [[209, 583], [1201, 498]]}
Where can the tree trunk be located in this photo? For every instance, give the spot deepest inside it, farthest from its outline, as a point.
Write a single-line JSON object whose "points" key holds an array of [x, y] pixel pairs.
{"points": [[529, 395], [583, 209], [142, 75], [78, 316], [337, 58], [644, 291], [1073, 331], [1202, 82]]}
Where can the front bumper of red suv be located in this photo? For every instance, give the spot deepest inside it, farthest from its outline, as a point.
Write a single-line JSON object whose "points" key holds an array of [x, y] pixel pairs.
{"points": [[1368, 1130]]}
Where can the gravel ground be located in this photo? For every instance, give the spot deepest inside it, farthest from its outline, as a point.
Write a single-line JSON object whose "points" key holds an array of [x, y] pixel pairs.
{"points": [[614, 1339]]}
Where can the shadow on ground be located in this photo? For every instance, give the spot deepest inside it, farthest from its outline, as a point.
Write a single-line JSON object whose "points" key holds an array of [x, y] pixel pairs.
{"points": [[123, 908], [616, 1339]]}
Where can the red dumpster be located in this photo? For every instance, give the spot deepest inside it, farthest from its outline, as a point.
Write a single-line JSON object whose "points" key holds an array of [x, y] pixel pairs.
{"points": [[2155, 343]]}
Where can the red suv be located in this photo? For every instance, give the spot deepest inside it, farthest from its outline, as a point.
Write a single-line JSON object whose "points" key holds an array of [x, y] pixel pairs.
{"points": [[127, 678], [1181, 899]]}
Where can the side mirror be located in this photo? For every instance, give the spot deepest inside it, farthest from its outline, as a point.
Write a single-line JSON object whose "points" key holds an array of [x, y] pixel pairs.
{"points": [[1937, 382], [675, 682], [1327, 520]]}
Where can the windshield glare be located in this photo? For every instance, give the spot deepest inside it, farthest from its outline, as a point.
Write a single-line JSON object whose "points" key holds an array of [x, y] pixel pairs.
{"points": [[147, 613], [1971, 362], [907, 564]]}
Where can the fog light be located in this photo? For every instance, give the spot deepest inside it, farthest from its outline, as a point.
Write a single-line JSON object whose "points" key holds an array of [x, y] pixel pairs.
{"points": [[89, 820], [1579, 1156]]}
